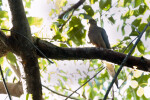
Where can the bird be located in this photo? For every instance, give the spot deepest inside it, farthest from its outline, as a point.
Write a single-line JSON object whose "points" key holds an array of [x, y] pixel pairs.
{"points": [[99, 38]]}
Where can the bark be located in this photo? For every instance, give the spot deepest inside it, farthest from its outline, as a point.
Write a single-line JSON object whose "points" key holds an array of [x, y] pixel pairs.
{"points": [[3, 47], [15, 89], [19, 43], [59, 53]]}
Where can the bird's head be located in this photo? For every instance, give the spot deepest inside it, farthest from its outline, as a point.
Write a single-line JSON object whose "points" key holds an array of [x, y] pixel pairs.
{"points": [[92, 21]]}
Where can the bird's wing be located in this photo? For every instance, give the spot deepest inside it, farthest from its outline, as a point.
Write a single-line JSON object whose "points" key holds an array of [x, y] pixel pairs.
{"points": [[105, 38], [96, 37]]}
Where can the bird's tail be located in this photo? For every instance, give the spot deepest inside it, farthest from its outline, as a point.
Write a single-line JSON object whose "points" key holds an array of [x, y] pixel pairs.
{"points": [[111, 70]]}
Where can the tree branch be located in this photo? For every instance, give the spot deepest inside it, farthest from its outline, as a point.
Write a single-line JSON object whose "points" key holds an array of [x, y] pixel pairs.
{"points": [[59, 93], [15, 89], [75, 6], [60, 29], [23, 48], [59, 53]]}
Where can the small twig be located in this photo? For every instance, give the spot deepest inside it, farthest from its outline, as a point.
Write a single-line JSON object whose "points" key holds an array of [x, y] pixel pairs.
{"points": [[84, 83], [58, 93], [16, 70], [109, 9], [75, 6], [72, 8], [134, 38], [71, 91], [130, 44], [124, 61], [66, 21], [5, 83]]}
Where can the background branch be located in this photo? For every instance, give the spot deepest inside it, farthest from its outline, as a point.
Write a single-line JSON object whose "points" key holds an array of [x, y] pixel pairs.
{"points": [[15, 89], [58, 93], [74, 7]]}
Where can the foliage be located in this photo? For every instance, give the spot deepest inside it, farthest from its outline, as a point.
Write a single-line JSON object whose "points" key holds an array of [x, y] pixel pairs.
{"points": [[128, 16]]}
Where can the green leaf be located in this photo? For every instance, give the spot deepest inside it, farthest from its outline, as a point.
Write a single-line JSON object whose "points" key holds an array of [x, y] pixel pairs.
{"points": [[92, 93], [142, 9], [93, 1], [82, 81], [145, 77], [3, 14], [27, 96], [126, 38], [61, 21], [141, 27], [112, 19], [76, 31], [27, 3], [134, 33], [136, 22], [129, 48], [136, 13], [55, 26], [35, 21], [127, 2], [61, 83], [147, 3], [57, 37], [64, 78], [1, 60], [137, 3], [141, 47], [122, 29], [93, 62], [52, 12], [57, 88], [148, 19], [105, 4], [147, 35], [11, 57], [0, 3], [127, 15], [85, 16], [88, 10], [61, 71], [64, 3], [129, 93], [104, 76], [97, 83], [49, 77]]}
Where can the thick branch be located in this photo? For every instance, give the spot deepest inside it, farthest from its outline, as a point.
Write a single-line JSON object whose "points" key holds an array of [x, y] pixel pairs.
{"points": [[15, 89], [20, 43], [75, 6], [54, 52], [19, 20]]}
